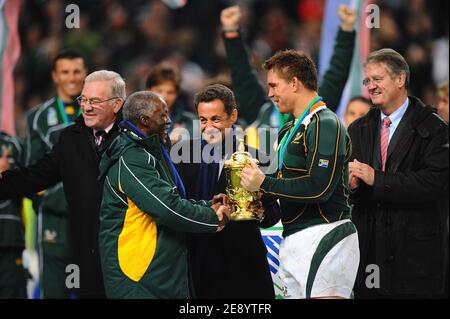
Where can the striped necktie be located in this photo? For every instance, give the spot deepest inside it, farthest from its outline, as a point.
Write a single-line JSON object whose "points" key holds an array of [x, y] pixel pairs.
{"points": [[99, 137], [384, 141]]}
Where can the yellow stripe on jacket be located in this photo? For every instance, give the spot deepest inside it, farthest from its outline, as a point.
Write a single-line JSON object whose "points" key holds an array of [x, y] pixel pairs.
{"points": [[137, 242]]}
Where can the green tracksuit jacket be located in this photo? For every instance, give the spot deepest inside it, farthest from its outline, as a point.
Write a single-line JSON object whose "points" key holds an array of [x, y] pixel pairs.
{"points": [[312, 184], [11, 224], [143, 221]]}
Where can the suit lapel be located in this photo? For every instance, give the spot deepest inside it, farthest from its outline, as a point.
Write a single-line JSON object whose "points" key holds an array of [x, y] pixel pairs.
{"points": [[403, 140], [368, 136], [398, 132]]}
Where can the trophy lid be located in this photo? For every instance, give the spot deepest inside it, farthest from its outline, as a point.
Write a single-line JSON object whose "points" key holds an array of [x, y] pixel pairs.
{"points": [[240, 158]]}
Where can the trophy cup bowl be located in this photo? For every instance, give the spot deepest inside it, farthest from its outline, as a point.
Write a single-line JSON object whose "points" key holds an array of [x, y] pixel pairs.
{"points": [[239, 196]]}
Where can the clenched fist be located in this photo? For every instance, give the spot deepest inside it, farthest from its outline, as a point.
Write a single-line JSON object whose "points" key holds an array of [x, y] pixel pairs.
{"points": [[231, 18], [347, 16]]}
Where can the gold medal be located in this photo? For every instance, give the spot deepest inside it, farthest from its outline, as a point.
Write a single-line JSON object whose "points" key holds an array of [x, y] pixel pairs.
{"points": [[70, 110]]}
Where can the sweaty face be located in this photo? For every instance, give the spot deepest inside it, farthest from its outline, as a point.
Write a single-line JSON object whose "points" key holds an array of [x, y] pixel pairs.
{"points": [[384, 88], [280, 91], [355, 110], [167, 90], [68, 77], [214, 120], [100, 112]]}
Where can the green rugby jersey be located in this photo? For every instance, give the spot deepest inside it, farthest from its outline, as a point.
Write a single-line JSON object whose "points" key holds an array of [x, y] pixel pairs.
{"points": [[312, 183]]}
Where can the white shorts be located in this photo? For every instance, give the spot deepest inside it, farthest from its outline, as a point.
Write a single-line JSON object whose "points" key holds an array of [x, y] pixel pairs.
{"points": [[320, 261]]}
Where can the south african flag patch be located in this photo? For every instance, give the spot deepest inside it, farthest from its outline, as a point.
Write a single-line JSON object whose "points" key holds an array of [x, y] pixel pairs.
{"points": [[323, 163]]}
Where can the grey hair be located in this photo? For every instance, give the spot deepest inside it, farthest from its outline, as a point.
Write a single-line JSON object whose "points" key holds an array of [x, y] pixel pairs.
{"points": [[117, 83], [395, 62], [141, 103]]}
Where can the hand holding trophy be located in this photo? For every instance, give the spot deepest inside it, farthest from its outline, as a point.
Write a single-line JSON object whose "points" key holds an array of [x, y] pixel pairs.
{"points": [[257, 207], [238, 196]]}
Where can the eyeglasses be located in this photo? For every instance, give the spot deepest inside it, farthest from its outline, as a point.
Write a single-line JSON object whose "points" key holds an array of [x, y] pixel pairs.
{"points": [[93, 101], [376, 80]]}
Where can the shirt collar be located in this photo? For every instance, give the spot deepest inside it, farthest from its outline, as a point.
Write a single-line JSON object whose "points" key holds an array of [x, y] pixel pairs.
{"points": [[107, 129], [398, 113]]}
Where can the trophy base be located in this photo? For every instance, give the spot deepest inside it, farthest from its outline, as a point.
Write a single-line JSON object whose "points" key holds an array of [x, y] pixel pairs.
{"points": [[242, 215]]}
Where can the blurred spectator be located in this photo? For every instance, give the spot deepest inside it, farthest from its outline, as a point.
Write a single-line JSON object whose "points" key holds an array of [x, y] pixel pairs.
{"points": [[442, 106], [165, 80], [357, 107], [439, 55], [13, 277]]}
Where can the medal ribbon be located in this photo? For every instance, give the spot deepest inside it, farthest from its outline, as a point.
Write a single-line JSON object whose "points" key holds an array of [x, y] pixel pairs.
{"points": [[313, 107], [62, 111]]}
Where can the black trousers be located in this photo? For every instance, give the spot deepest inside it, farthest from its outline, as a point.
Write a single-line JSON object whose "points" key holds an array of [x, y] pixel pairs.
{"points": [[13, 277]]}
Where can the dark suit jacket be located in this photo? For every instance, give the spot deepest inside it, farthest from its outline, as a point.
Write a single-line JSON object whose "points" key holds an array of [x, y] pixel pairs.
{"points": [[402, 220], [73, 160], [231, 263]]}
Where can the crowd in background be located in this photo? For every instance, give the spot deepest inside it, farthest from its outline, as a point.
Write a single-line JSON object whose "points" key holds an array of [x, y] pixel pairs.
{"points": [[130, 37]]}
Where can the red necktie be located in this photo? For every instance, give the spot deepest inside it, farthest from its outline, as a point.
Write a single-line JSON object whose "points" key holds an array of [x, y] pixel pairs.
{"points": [[384, 140]]}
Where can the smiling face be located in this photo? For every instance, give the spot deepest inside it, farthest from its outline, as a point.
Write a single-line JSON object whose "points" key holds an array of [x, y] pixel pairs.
{"points": [[215, 120], [281, 92], [386, 91], [68, 76], [101, 113]]}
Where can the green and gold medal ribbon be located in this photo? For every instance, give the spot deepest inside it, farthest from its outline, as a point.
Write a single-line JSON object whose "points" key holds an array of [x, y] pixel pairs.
{"points": [[311, 108]]}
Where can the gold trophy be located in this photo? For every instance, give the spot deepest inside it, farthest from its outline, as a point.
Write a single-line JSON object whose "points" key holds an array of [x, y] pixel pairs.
{"points": [[239, 196]]}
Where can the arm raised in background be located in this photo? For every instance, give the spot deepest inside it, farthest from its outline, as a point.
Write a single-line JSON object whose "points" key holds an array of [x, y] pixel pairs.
{"points": [[250, 94], [334, 80]]}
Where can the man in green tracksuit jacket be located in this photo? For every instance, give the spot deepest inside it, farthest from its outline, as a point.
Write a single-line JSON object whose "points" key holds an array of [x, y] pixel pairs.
{"points": [[44, 124], [319, 254], [13, 279], [144, 215]]}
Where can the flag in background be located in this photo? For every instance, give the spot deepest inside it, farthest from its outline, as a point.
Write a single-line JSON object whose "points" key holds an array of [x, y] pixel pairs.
{"points": [[330, 26], [9, 53]]}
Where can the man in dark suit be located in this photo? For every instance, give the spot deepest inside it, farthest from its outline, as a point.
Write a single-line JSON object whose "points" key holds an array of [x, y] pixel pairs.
{"points": [[232, 263], [74, 160], [399, 181]]}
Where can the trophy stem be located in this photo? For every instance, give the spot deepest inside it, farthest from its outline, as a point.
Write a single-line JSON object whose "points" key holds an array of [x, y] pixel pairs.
{"points": [[242, 214]]}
